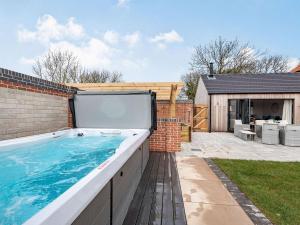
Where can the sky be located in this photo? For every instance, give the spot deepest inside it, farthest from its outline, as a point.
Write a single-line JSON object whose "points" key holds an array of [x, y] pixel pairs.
{"points": [[145, 40]]}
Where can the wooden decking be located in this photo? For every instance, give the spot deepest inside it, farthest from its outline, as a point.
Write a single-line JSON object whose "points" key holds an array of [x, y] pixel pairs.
{"points": [[158, 199]]}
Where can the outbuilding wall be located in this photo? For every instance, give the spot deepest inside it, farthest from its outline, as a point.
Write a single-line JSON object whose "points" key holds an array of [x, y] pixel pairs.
{"points": [[219, 107], [201, 96]]}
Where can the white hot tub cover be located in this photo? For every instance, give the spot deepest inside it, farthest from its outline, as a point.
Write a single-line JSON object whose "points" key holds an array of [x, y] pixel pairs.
{"points": [[115, 110]]}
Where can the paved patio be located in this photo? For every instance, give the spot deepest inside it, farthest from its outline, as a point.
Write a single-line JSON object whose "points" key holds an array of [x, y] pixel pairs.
{"points": [[227, 146]]}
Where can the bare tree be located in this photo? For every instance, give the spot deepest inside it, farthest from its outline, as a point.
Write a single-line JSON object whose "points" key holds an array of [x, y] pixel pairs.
{"points": [[116, 77], [64, 67], [230, 56], [58, 66], [227, 57], [191, 83], [103, 76], [271, 64]]}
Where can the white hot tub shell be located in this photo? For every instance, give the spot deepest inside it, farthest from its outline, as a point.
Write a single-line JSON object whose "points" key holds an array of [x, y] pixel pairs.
{"points": [[103, 196]]}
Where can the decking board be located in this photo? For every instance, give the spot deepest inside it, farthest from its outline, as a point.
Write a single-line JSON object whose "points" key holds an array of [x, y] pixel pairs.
{"points": [[158, 199]]}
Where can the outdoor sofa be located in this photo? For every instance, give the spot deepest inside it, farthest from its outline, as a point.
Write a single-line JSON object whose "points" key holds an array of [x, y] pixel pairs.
{"points": [[239, 126], [270, 134], [259, 124], [290, 135]]}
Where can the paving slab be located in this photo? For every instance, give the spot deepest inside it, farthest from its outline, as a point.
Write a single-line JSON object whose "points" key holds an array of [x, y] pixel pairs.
{"points": [[211, 214], [206, 200], [206, 191], [194, 168]]}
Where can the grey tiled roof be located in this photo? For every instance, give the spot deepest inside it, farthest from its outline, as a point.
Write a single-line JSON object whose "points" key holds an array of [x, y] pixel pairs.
{"points": [[253, 83]]}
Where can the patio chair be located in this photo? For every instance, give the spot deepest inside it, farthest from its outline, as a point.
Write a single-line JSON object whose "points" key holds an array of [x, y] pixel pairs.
{"points": [[290, 135], [238, 126], [270, 134], [258, 127]]}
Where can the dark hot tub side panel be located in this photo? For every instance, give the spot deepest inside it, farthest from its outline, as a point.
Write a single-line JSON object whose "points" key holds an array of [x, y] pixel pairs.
{"points": [[125, 183], [98, 211], [117, 194], [145, 155]]}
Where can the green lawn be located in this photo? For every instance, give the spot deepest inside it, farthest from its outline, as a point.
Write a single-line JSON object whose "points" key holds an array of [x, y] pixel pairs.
{"points": [[274, 187]]}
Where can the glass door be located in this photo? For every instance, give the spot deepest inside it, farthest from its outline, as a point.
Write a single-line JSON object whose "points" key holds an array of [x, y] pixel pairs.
{"points": [[232, 113], [244, 111], [238, 109]]}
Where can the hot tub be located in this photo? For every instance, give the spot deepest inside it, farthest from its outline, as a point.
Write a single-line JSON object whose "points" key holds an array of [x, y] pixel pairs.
{"points": [[76, 176]]}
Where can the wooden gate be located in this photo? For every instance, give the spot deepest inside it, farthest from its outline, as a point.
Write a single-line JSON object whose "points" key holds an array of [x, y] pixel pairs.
{"points": [[200, 117]]}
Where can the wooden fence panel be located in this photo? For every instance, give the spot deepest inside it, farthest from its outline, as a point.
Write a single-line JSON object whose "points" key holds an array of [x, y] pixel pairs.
{"points": [[200, 119]]}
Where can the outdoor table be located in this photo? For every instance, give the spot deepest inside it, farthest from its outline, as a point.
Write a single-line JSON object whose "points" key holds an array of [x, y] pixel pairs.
{"points": [[247, 135], [247, 129]]}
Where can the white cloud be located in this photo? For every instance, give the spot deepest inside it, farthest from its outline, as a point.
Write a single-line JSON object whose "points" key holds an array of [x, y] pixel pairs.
{"points": [[25, 35], [48, 29], [122, 3], [111, 37], [27, 61], [132, 39], [93, 54], [73, 28], [106, 52], [169, 37]]}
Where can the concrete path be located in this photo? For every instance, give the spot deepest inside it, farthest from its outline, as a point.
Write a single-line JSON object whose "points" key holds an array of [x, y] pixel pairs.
{"points": [[226, 145], [206, 200]]}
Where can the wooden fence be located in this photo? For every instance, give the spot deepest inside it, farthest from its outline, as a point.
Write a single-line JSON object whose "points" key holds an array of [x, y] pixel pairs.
{"points": [[200, 118]]}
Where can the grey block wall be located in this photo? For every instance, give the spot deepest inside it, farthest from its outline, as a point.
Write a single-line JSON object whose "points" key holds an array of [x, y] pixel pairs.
{"points": [[24, 113]]}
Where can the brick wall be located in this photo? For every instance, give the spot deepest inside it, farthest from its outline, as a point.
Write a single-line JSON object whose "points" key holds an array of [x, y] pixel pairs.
{"points": [[30, 105], [184, 110], [167, 137]]}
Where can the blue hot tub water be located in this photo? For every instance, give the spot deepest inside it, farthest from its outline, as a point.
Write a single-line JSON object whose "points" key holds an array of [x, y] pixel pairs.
{"points": [[32, 175]]}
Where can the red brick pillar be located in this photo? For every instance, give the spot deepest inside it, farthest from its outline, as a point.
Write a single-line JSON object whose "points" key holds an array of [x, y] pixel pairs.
{"points": [[167, 137], [173, 135]]}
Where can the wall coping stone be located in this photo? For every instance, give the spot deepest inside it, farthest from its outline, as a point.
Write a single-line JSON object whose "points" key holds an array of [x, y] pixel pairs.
{"points": [[15, 77]]}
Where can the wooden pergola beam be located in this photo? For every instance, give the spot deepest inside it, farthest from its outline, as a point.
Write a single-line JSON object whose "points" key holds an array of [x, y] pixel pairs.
{"points": [[162, 89], [173, 100]]}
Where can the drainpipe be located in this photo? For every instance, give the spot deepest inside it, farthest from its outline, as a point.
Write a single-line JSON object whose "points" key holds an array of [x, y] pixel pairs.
{"points": [[211, 75]]}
